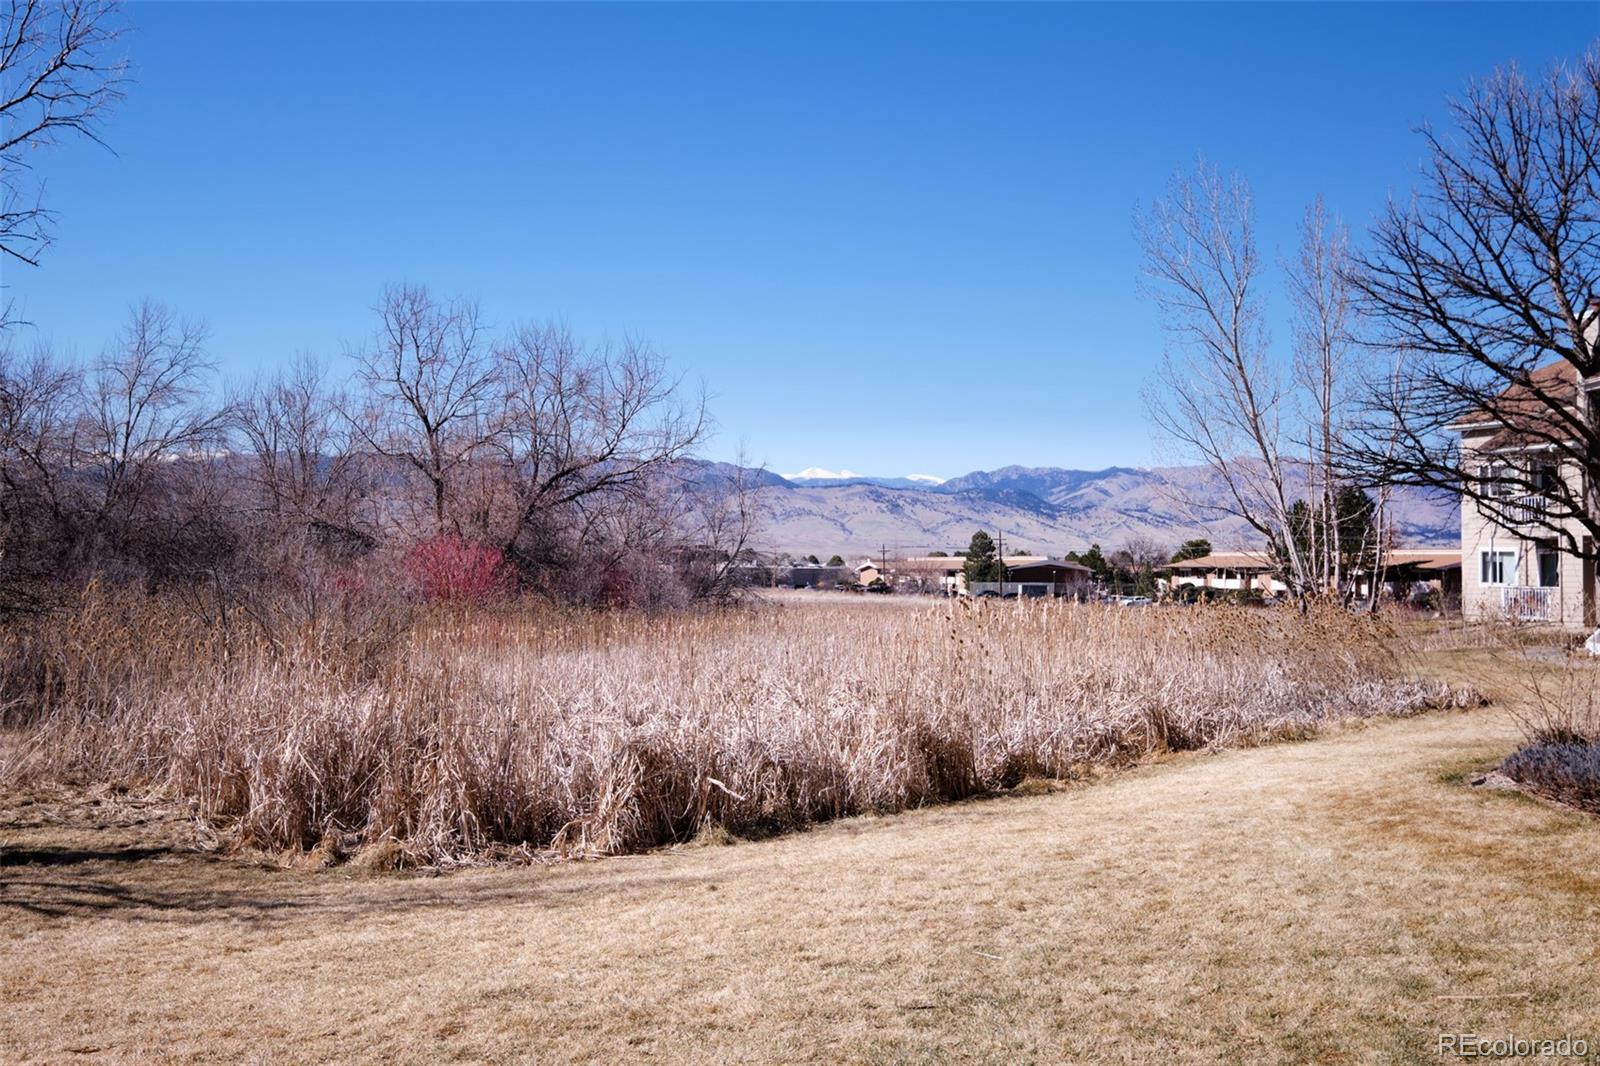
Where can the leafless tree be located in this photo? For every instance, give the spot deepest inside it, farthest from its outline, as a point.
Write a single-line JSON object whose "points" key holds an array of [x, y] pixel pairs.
{"points": [[1482, 287], [583, 427], [1223, 397], [430, 383], [36, 416], [303, 469], [722, 523], [144, 408], [58, 80], [1324, 374], [35, 421]]}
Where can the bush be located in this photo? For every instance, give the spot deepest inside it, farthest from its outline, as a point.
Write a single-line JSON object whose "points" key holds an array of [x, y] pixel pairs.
{"points": [[452, 569], [1569, 772]]}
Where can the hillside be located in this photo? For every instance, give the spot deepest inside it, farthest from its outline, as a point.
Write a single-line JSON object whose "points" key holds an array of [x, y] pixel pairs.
{"points": [[1043, 509]]}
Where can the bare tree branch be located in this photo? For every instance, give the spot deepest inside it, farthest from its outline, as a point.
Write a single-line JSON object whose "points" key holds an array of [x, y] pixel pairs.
{"points": [[58, 79]]}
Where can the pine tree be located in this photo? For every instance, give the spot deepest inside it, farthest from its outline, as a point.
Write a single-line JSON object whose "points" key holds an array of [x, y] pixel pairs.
{"points": [[982, 565]]}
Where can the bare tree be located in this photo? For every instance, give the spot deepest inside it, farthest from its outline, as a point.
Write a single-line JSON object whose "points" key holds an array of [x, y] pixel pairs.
{"points": [[1482, 287], [36, 415], [58, 80], [1223, 398], [144, 407], [303, 468], [430, 383], [35, 421], [723, 520], [580, 428], [1324, 370]]}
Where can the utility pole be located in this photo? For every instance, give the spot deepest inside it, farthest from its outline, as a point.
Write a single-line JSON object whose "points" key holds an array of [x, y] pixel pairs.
{"points": [[1000, 557]]}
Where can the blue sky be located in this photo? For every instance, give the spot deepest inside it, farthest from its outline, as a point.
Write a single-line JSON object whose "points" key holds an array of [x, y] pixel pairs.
{"points": [[892, 238]]}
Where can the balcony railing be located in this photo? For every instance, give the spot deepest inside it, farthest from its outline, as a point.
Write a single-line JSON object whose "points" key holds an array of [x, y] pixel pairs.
{"points": [[1526, 603], [1527, 510]]}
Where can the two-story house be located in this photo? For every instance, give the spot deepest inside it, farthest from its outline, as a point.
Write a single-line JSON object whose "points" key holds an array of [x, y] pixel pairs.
{"points": [[1514, 560]]}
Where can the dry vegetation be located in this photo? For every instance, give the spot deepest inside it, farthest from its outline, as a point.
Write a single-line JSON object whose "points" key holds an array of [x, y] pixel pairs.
{"points": [[1342, 901], [582, 732]]}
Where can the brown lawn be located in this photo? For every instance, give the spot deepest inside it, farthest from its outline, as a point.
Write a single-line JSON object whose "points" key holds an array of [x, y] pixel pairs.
{"points": [[1341, 900]]}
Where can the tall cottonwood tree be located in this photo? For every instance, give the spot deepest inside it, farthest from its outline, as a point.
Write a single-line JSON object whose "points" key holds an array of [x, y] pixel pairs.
{"points": [[1220, 394], [1322, 302]]}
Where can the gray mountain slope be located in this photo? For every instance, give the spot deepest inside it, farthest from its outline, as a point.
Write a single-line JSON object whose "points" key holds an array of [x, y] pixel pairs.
{"points": [[1047, 510]]}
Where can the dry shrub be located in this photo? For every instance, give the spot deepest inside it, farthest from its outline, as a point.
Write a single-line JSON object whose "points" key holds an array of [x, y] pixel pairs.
{"points": [[1560, 716], [600, 732], [1561, 699], [1567, 772]]}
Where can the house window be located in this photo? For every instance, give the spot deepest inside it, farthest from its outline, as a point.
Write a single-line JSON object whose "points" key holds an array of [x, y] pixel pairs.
{"points": [[1498, 567], [1549, 566], [1495, 480]]}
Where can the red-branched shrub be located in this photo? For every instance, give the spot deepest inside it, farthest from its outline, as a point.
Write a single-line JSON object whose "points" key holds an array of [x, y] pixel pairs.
{"points": [[454, 569]]}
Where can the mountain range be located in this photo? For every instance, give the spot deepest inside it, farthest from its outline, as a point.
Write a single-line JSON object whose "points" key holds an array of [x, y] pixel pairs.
{"points": [[1045, 510]]}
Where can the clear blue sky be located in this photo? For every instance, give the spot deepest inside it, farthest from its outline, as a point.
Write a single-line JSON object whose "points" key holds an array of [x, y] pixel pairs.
{"points": [[895, 238]]}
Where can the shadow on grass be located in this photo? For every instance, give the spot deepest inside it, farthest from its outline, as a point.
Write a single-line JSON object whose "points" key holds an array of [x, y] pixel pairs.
{"points": [[12, 856], [56, 884]]}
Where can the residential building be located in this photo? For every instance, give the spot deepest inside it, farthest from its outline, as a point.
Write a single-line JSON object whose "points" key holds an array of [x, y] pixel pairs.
{"points": [[1039, 578], [1226, 571], [1026, 575], [1403, 569], [1514, 564]]}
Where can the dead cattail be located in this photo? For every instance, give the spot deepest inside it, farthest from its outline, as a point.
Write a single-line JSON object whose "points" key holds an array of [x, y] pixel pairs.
{"points": [[592, 732]]}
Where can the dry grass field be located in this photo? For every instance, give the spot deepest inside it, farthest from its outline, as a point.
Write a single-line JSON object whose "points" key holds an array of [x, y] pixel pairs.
{"points": [[586, 733], [1342, 900]]}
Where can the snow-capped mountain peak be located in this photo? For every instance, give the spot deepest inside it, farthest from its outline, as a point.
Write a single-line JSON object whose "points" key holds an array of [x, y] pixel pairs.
{"points": [[817, 473]]}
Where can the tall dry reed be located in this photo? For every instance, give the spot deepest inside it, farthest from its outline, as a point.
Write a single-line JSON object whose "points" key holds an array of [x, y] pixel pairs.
{"points": [[588, 732]]}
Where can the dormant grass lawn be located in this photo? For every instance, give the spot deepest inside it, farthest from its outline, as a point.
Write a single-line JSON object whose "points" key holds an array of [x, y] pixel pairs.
{"points": [[1340, 900]]}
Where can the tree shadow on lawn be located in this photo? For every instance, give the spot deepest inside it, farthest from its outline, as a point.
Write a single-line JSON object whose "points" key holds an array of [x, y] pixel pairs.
{"points": [[176, 885]]}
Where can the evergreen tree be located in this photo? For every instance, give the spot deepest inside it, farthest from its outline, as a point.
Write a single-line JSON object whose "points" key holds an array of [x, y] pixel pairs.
{"points": [[1192, 549], [982, 565], [1096, 562], [835, 561], [1355, 517]]}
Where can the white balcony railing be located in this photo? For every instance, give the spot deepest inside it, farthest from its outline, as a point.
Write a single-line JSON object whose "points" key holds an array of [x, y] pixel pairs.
{"points": [[1527, 510], [1526, 603]]}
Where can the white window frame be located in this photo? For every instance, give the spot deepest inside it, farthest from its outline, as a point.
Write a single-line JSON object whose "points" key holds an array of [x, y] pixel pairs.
{"points": [[1494, 480], [1502, 564]]}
